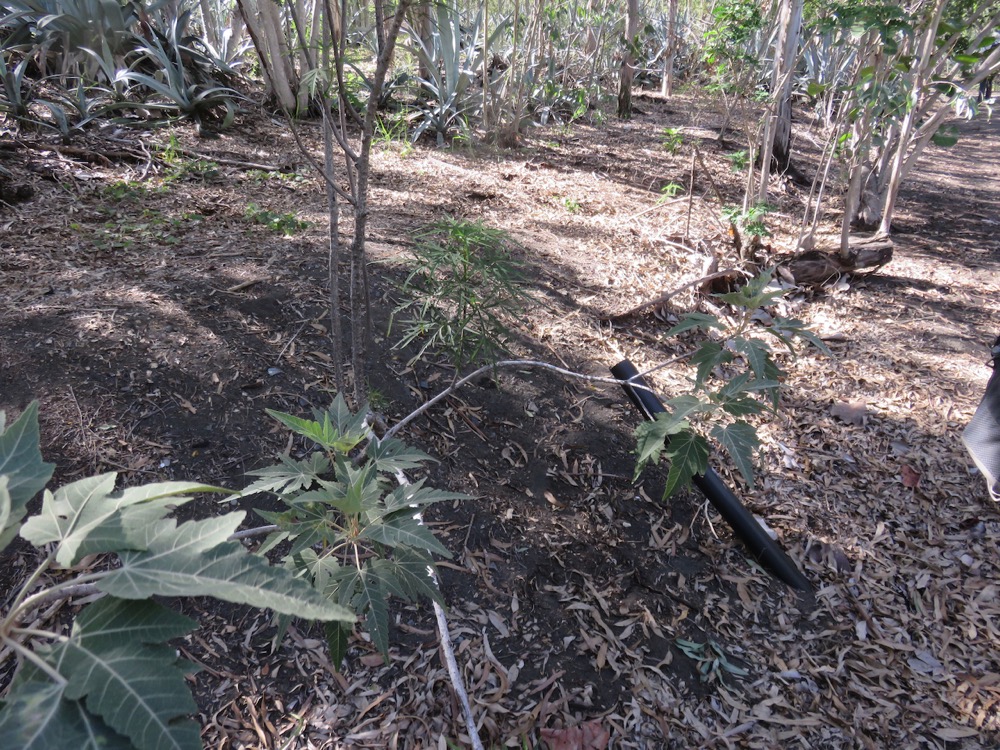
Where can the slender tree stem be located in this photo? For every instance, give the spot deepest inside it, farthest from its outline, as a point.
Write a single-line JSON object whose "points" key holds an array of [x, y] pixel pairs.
{"points": [[31, 656], [527, 363], [23, 594]]}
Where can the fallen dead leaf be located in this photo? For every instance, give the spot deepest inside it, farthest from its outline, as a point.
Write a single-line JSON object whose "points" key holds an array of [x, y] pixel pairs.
{"points": [[590, 735], [852, 412], [910, 476]]}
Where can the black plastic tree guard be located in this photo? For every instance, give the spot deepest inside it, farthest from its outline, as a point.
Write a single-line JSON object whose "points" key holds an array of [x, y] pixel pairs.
{"points": [[764, 549]]}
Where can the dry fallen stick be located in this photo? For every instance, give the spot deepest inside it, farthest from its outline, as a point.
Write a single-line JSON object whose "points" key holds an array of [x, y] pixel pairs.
{"points": [[666, 296], [244, 285], [234, 162]]}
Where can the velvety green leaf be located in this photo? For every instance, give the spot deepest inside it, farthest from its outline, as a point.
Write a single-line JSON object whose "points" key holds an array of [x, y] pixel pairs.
{"points": [[404, 530], [682, 407], [740, 442], [289, 476], [20, 458], [335, 429], [37, 717], [410, 570], [751, 293], [651, 439], [138, 690], [21, 462], [751, 299], [743, 384], [308, 428], [390, 584], [338, 639], [194, 559], [370, 599], [696, 320], [346, 422], [341, 584], [357, 491], [688, 453], [73, 512], [706, 358], [756, 352], [84, 517], [783, 328], [321, 569], [110, 622], [391, 455], [741, 405], [417, 496]]}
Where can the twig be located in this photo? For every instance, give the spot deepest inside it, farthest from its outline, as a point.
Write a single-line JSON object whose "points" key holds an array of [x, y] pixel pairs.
{"points": [[658, 204], [259, 531], [456, 675], [233, 162], [708, 175], [718, 194], [523, 363], [448, 650], [289, 343], [244, 285], [687, 228], [666, 296]]}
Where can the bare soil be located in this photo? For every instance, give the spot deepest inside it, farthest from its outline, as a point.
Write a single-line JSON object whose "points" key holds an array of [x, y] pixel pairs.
{"points": [[155, 320]]}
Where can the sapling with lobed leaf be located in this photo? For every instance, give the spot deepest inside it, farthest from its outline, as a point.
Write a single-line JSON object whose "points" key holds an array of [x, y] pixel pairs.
{"points": [[736, 378], [352, 529]]}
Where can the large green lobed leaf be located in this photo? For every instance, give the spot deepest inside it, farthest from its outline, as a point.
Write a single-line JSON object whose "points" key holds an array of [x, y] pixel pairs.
{"points": [[121, 686], [87, 517], [39, 717], [195, 559], [21, 462]]}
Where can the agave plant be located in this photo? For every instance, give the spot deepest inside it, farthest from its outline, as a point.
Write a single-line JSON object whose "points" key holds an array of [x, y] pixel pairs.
{"points": [[66, 28], [177, 93], [14, 98], [452, 59]]}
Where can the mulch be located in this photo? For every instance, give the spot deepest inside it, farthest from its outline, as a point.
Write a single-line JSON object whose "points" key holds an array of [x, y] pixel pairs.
{"points": [[155, 319]]}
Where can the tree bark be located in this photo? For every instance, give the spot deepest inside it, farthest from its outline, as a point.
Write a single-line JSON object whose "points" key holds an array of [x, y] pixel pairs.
{"points": [[775, 147], [670, 55], [628, 61]]}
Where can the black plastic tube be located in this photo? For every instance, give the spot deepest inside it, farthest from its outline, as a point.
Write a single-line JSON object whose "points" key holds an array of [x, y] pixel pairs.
{"points": [[764, 549]]}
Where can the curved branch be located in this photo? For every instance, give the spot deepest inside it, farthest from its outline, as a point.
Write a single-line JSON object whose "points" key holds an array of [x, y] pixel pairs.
{"points": [[522, 363]]}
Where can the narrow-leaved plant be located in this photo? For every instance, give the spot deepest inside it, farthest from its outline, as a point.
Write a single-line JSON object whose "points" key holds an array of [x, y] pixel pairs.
{"points": [[463, 288]]}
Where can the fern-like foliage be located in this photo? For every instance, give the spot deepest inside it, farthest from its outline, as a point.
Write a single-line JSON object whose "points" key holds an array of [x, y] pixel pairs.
{"points": [[351, 527]]}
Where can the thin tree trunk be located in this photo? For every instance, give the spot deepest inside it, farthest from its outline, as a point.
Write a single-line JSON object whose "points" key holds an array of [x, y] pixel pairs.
{"points": [[670, 56], [923, 60], [775, 145], [380, 25], [783, 129], [333, 268], [360, 303], [275, 74], [628, 60]]}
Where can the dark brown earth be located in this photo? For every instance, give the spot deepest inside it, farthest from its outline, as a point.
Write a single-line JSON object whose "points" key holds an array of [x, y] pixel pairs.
{"points": [[155, 322]]}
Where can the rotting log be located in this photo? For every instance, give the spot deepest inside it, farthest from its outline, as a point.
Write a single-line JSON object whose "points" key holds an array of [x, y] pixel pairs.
{"points": [[815, 267]]}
